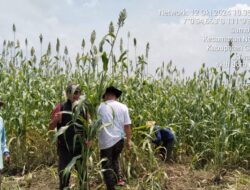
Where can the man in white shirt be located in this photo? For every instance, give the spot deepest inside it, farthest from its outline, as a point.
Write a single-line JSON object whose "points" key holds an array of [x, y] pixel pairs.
{"points": [[115, 117]]}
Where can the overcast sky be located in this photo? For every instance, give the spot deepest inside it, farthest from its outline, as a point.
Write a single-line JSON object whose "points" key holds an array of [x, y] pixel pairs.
{"points": [[174, 38]]}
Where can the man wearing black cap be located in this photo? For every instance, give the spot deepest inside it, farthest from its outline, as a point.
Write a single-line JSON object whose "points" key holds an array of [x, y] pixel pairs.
{"points": [[3, 148], [67, 148], [115, 116]]}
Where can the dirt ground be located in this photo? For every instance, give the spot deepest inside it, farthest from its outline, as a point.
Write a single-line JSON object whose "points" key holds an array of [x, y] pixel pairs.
{"points": [[181, 177]]}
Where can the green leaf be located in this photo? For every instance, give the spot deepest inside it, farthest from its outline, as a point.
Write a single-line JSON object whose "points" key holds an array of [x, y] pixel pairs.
{"points": [[60, 132], [231, 56], [122, 56], [105, 61], [67, 170]]}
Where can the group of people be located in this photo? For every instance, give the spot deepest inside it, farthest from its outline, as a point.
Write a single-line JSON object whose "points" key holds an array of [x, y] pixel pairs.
{"points": [[112, 138]]}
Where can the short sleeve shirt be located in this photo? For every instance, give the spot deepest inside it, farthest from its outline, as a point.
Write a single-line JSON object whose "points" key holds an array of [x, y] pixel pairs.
{"points": [[114, 116]]}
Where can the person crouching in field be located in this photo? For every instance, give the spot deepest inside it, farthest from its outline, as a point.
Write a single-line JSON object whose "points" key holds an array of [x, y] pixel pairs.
{"points": [[4, 151], [67, 145], [165, 140]]}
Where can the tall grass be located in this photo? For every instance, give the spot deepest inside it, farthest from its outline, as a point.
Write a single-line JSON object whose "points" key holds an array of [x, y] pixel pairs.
{"points": [[209, 111]]}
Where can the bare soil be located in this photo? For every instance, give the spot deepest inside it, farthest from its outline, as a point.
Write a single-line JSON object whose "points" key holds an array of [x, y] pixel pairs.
{"points": [[180, 177]]}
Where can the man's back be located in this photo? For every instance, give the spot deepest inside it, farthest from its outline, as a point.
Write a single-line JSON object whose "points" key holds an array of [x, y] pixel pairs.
{"points": [[116, 115]]}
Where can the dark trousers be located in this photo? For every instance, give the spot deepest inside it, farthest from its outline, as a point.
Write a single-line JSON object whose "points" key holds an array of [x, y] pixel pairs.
{"points": [[167, 149], [65, 156], [112, 171]]}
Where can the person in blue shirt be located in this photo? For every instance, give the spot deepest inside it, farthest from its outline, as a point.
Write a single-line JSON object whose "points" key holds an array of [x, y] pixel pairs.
{"points": [[165, 139], [4, 151]]}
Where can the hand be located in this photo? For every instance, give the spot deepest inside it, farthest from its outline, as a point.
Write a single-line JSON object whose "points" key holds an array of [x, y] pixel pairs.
{"points": [[7, 158], [58, 117], [88, 143]]}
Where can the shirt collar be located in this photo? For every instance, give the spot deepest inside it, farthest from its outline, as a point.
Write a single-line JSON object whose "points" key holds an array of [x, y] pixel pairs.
{"points": [[107, 101]]}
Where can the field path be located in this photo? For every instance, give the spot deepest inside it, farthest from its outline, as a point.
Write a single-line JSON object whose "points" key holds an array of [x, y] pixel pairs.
{"points": [[181, 177]]}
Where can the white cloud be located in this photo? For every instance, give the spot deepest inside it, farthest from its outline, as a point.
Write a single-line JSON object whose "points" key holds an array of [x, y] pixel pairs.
{"points": [[90, 3], [70, 2]]}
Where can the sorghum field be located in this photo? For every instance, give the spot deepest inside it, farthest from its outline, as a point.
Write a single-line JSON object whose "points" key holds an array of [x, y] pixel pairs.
{"points": [[208, 111]]}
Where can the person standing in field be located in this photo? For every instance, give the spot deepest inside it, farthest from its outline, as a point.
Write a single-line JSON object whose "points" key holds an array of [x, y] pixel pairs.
{"points": [[4, 152], [68, 146], [115, 117]]}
